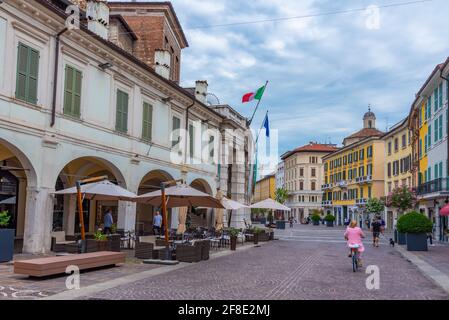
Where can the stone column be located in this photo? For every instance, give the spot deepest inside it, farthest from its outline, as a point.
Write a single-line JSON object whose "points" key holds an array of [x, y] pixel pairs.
{"points": [[38, 220], [69, 214]]}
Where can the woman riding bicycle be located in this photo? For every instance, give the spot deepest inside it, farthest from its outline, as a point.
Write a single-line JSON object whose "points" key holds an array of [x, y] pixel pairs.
{"points": [[354, 236]]}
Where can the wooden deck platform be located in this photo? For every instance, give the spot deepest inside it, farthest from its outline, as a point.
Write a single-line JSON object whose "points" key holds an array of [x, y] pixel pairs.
{"points": [[43, 267]]}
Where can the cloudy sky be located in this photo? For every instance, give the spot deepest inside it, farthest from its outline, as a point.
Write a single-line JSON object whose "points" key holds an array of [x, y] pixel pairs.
{"points": [[323, 70]]}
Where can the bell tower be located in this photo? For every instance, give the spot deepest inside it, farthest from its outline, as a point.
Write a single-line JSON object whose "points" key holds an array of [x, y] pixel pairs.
{"points": [[369, 119]]}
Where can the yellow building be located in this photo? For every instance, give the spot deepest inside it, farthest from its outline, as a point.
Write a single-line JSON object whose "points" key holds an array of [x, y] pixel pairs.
{"points": [[355, 173], [398, 163], [265, 188]]}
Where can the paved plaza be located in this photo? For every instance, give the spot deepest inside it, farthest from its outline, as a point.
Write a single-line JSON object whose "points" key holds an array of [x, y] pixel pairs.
{"points": [[307, 262]]}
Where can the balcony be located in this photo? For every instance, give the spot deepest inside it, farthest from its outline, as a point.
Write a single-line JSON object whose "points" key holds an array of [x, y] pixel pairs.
{"points": [[327, 203], [342, 184], [327, 186], [360, 202], [436, 186], [365, 179]]}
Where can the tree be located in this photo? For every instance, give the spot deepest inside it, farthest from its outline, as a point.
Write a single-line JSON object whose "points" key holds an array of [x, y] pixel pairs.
{"points": [[281, 195], [375, 206], [402, 198]]}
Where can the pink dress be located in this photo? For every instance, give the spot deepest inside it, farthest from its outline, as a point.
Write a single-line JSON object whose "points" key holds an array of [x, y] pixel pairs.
{"points": [[354, 236]]}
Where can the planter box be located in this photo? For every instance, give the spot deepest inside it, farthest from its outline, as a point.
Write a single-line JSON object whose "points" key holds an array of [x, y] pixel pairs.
{"points": [[280, 224], [6, 244], [416, 241], [233, 243], [329, 224], [401, 238], [256, 238], [316, 223]]}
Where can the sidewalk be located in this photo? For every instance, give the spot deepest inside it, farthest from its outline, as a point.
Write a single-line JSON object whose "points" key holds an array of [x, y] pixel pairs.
{"points": [[434, 264]]}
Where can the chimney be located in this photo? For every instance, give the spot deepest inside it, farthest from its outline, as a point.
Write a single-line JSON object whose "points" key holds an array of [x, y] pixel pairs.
{"points": [[97, 13], [201, 91], [162, 60]]}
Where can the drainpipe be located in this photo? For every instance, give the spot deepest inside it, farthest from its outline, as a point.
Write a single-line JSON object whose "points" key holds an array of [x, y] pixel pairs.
{"points": [[55, 76], [187, 130]]}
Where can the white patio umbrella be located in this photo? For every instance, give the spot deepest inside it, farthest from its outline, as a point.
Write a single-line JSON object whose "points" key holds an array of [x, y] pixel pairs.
{"points": [[180, 196], [270, 204], [11, 200], [231, 204], [103, 190]]}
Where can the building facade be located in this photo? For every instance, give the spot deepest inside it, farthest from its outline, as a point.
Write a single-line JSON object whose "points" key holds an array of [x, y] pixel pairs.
{"points": [[77, 103], [304, 175], [355, 173], [280, 175], [398, 163], [265, 188], [429, 124]]}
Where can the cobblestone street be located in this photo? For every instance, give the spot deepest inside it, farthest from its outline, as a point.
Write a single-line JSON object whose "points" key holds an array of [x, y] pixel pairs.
{"points": [[306, 263]]}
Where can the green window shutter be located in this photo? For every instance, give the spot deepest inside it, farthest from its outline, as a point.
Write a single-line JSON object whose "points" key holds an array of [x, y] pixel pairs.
{"points": [[27, 73], [22, 72], [147, 120], [441, 169], [191, 140], [435, 99], [72, 92], [121, 123], [440, 127], [436, 171], [440, 95], [33, 76]]}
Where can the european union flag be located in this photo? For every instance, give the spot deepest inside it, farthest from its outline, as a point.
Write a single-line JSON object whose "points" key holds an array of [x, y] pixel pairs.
{"points": [[266, 125]]}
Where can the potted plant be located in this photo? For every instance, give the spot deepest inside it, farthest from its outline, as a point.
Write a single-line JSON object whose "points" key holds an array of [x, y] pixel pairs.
{"points": [[6, 238], [256, 232], [329, 220], [316, 219], [415, 226], [102, 241], [233, 234]]}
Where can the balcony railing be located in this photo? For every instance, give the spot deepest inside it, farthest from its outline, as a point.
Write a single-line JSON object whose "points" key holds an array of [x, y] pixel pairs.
{"points": [[360, 201], [327, 186], [434, 186], [364, 179], [327, 203], [342, 184]]}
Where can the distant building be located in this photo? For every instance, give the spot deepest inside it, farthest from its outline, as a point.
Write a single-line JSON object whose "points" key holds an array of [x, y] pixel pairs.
{"points": [[398, 163], [265, 188], [429, 124], [355, 173], [304, 176], [280, 176]]}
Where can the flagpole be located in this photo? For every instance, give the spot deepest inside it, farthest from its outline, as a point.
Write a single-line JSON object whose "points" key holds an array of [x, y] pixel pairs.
{"points": [[257, 105], [260, 130]]}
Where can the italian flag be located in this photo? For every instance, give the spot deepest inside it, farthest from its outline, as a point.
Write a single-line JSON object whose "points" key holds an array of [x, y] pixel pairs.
{"points": [[253, 95]]}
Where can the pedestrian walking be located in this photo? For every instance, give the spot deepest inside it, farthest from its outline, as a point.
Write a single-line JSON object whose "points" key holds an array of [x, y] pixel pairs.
{"points": [[108, 221], [157, 223], [291, 222]]}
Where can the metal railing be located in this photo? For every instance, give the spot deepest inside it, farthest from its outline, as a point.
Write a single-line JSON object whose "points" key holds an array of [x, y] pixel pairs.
{"points": [[327, 186], [327, 203], [364, 179], [434, 186]]}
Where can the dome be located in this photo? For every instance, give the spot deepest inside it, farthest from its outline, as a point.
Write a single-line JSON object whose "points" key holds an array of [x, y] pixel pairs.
{"points": [[368, 115]]}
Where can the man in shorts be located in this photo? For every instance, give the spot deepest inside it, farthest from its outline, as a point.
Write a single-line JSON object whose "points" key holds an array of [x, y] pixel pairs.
{"points": [[376, 228]]}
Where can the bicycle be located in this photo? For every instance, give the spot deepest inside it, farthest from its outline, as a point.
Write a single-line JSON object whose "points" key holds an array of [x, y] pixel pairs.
{"points": [[355, 256]]}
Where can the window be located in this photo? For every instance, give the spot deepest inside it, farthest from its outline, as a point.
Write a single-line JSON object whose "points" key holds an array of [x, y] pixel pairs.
{"points": [[121, 121], [176, 126], [72, 92], [435, 99], [420, 148], [369, 192], [396, 145], [313, 172], [404, 141], [313, 186], [147, 121], [301, 172], [370, 151], [356, 156], [429, 108], [389, 169], [440, 127], [369, 169], [440, 95], [361, 171], [27, 74], [301, 185], [389, 148], [436, 126], [440, 169]]}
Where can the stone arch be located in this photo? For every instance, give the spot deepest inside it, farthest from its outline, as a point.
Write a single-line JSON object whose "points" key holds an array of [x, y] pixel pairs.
{"points": [[202, 185], [145, 213]]}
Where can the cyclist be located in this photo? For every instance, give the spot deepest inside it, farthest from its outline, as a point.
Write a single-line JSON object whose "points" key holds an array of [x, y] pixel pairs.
{"points": [[354, 236]]}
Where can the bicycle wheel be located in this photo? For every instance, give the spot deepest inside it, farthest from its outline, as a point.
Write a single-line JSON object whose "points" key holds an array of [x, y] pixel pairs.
{"points": [[354, 262]]}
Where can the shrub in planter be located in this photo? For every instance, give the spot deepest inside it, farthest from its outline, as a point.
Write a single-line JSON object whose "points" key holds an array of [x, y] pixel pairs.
{"points": [[256, 232], [6, 238], [329, 220], [233, 234], [416, 226], [316, 219]]}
